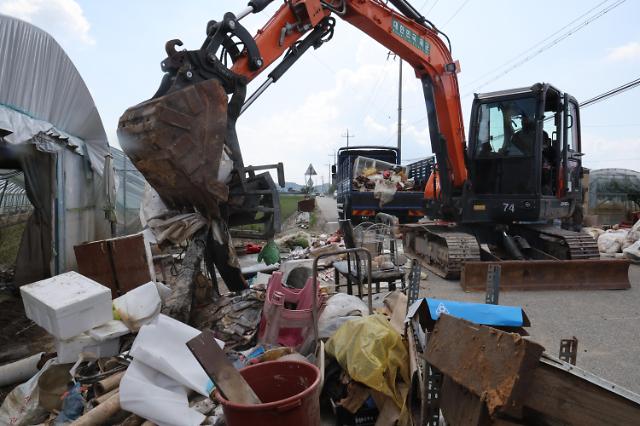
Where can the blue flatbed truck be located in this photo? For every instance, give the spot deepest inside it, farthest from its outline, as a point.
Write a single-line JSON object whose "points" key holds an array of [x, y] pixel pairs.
{"points": [[407, 206]]}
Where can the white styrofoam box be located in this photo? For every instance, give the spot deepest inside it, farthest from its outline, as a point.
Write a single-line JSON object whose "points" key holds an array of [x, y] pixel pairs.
{"points": [[109, 330], [67, 305], [70, 349]]}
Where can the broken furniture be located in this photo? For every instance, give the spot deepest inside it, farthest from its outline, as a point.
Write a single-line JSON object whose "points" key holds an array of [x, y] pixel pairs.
{"points": [[351, 268], [121, 264]]}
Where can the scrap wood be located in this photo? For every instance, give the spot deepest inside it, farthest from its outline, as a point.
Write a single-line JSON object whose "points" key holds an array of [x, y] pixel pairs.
{"points": [[494, 365], [220, 370], [567, 394], [178, 304]]}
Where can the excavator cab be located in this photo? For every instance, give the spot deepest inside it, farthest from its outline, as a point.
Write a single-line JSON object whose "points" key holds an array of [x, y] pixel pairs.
{"points": [[524, 157]]}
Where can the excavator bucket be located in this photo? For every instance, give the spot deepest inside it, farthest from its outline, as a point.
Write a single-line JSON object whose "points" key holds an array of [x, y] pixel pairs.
{"points": [[177, 143], [592, 274]]}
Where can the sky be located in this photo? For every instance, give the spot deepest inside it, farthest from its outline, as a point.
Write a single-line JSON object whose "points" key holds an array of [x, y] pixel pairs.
{"points": [[351, 84]]}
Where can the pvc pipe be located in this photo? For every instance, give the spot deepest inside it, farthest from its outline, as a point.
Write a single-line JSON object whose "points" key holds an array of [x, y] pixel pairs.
{"points": [[108, 384], [19, 371]]}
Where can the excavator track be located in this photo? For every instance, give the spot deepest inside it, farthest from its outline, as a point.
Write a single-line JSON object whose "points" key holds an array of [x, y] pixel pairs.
{"points": [[441, 249], [561, 243]]}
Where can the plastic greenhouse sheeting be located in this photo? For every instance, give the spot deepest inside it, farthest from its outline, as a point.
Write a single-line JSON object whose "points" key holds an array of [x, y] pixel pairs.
{"points": [[42, 91]]}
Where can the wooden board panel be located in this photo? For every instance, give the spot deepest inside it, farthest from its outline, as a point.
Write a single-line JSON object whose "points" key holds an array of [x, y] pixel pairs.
{"points": [[569, 398]]}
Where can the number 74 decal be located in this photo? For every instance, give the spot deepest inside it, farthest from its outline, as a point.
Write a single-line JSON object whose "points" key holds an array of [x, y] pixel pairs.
{"points": [[509, 207]]}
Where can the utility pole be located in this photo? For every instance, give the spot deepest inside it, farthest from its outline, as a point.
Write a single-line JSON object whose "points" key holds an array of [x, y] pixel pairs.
{"points": [[389, 54], [347, 135], [400, 113]]}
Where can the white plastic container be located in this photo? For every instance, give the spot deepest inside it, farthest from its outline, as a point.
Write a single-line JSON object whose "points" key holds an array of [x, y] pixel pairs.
{"points": [[69, 350], [67, 305]]}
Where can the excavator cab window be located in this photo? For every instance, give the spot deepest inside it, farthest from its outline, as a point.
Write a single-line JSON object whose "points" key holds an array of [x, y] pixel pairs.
{"points": [[505, 146]]}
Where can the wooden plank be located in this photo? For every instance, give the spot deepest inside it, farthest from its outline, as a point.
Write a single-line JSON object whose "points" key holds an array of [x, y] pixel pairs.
{"points": [[461, 407], [130, 261], [490, 363], [591, 274], [215, 363], [93, 262], [569, 398]]}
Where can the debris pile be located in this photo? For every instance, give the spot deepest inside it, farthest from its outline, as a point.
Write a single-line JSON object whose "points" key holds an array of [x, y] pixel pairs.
{"points": [[382, 178], [281, 349], [617, 241]]}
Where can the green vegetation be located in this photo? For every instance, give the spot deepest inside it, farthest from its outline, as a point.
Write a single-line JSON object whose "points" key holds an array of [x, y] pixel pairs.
{"points": [[10, 242], [289, 205]]}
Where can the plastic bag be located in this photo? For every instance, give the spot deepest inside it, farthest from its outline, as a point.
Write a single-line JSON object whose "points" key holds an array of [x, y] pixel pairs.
{"points": [[139, 306], [162, 345], [21, 407], [611, 241], [339, 309], [633, 251], [72, 406], [373, 353], [152, 395], [270, 254]]}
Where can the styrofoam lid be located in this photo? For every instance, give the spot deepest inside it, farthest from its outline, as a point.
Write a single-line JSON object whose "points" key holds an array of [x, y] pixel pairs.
{"points": [[64, 290]]}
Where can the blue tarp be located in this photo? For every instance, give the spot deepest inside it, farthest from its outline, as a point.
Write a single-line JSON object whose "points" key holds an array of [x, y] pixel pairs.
{"points": [[479, 313]]}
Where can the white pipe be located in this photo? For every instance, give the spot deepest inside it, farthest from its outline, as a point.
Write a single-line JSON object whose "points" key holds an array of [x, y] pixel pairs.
{"points": [[19, 371], [244, 13]]}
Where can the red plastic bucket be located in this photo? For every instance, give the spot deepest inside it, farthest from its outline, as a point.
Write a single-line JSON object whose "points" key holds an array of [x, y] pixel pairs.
{"points": [[289, 391]]}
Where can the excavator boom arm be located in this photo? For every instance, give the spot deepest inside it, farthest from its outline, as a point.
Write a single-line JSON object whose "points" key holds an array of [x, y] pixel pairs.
{"points": [[416, 43]]}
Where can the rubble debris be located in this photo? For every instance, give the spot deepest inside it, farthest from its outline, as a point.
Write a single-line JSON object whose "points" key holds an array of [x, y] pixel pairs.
{"points": [[233, 317], [491, 377], [382, 178], [373, 353]]}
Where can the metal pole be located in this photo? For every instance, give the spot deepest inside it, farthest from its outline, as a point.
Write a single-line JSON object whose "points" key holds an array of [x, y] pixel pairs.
{"points": [[400, 112], [124, 187]]}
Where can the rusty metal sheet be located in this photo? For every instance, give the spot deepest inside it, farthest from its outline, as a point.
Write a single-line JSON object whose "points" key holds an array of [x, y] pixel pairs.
{"points": [[176, 141], [308, 205], [549, 275], [492, 364]]}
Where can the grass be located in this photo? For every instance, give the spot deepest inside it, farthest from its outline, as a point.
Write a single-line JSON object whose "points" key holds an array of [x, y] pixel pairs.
{"points": [[10, 242], [288, 206]]}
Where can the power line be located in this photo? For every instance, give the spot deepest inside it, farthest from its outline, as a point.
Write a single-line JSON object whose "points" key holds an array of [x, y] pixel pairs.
{"points": [[610, 93], [524, 52], [432, 6], [552, 43], [456, 12]]}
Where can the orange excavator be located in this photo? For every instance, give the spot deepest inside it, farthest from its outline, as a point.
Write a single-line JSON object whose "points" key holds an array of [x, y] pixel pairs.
{"points": [[491, 199]]}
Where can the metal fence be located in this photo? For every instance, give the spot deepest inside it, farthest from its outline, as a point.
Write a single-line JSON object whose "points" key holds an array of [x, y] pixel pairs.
{"points": [[13, 197]]}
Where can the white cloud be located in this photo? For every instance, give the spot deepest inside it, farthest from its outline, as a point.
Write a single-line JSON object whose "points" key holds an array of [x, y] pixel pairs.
{"points": [[61, 18], [625, 52]]}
